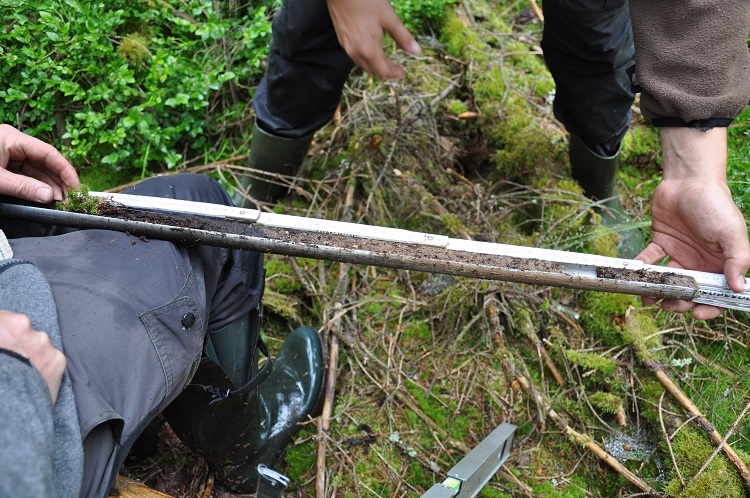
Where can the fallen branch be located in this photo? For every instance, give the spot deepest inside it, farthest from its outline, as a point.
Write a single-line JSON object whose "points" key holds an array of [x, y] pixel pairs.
{"points": [[528, 328], [324, 421]]}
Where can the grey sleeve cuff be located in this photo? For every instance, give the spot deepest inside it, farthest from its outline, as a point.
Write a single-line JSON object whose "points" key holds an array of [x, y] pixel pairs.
{"points": [[27, 429]]}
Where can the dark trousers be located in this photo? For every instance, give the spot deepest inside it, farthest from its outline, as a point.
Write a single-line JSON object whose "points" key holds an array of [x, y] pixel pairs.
{"points": [[133, 315], [587, 45]]}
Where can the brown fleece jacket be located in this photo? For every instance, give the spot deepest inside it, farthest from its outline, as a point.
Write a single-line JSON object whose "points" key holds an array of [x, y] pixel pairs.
{"points": [[692, 60]]}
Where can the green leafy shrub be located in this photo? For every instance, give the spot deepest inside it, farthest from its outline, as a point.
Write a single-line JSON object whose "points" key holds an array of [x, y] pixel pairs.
{"points": [[418, 14], [133, 85]]}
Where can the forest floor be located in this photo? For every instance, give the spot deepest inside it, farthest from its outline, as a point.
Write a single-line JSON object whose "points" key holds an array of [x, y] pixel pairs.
{"points": [[429, 364]]}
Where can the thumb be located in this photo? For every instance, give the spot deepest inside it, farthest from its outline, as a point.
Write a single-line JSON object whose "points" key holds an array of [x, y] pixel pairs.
{"points": [[24, 187], [734, 271]]}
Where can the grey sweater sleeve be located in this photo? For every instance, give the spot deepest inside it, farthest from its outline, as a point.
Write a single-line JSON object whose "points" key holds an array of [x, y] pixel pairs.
{"points": [[26, 430], [691, 60], [52, 441]]}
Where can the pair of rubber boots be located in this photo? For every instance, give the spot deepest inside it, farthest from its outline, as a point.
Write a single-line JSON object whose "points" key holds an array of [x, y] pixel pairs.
{"points": [[238, 415], [277, 160]]}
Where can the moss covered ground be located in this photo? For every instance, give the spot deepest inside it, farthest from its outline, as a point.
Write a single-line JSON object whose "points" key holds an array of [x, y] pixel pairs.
{"points": [[467, 146]]}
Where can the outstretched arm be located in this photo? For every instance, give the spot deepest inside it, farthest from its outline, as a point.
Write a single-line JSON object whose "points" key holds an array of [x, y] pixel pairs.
{"points": [[360, 26], [31, 169], [694, 218]]}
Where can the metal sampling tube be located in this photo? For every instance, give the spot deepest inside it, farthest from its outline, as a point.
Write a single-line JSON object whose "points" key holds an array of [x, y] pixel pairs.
{"points": [[208, 224]]}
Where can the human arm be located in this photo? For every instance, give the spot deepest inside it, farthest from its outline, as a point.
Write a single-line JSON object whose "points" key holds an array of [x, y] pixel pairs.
{"points": [[360, 26], [693, 67], [694, 219], [31, 169]]}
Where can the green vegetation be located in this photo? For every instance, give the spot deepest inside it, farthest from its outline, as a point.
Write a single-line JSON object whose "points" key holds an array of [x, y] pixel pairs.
{"points": [[79, 201], [135, 86]]}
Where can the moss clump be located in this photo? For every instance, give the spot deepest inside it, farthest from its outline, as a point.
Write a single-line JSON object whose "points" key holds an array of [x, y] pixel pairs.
{"points": [[134, 49], [79, 201], [592, 361], [460, 41], [606, 402], [419, 331], [280, 277], [639, 331], [603, 315], [456, 106], [602, 240], [719, 480]]}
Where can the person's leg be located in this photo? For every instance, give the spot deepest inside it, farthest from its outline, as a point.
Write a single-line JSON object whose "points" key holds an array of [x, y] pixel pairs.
{"points": [[298, 94], [588, 47], [133, 315]]}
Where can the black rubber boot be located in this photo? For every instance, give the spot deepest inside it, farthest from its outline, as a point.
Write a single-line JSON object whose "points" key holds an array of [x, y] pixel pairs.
{"points": [[597, 175], [238, 429], [278, 160]]}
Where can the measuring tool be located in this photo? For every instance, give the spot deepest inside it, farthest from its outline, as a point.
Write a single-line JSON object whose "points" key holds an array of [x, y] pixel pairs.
{"points": [[250, 229], [467, 478]]}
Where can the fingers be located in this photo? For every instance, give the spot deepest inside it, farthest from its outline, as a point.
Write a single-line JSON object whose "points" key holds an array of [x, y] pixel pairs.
{"points": [[737, 264], [25, 187], [653, 254], [401, 35], [18, 335], [31, 169]]}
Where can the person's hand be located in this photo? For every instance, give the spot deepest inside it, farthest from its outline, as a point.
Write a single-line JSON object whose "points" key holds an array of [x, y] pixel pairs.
{"points": [[360, 25], [694, 218], [31, 169], [17, 335]]}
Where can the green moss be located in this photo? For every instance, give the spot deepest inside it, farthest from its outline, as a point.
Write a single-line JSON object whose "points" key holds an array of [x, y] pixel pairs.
{"points": [[603, 313], [460, 41], [417, 330], [592, 361], [282, 304], [280, 276], [134, 48], [606, 402], [300, 457], [79, 201], [691, 450], [548, 490], [602, 240], [456, 106], [640, 331], [100, 179]]}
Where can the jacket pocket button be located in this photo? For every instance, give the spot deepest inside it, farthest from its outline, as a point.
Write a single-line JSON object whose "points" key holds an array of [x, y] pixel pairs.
{"points": [[188, 319]]}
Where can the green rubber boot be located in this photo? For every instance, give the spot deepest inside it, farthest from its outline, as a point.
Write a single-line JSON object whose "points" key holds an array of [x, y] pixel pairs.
{"points": [[235, 430], [277, 160], [597, 175]]}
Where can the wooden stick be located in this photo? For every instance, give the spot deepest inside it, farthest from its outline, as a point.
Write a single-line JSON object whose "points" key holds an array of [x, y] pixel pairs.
{"points": [[528, 328], [324, 421], [537, 10]]}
